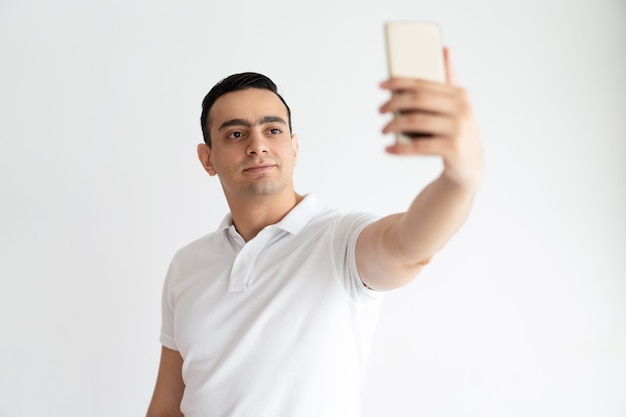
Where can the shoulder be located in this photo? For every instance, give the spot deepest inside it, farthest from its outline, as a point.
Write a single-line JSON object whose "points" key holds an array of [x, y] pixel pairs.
{"points": [[349, 222], [195, 246], [204, 249], [318, 214]]}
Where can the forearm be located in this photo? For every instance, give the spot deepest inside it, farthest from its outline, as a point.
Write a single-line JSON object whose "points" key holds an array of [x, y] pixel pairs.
{"points": [[392, 251], [433, 218]]}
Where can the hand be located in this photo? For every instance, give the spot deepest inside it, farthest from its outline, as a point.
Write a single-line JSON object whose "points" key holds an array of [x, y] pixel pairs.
{"points": [[442, 116]]}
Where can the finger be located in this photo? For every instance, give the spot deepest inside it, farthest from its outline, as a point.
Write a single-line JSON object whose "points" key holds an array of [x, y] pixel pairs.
{"points": [[420, 100], [450, 74], [408, 84], [427, 146], [422, 124]]}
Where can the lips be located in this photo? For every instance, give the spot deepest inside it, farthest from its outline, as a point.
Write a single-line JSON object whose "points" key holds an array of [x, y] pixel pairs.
{"points": [[257, 168]]}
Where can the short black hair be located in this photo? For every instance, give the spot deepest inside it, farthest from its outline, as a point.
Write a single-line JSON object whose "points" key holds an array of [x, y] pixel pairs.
{"points": [[236, 82]]}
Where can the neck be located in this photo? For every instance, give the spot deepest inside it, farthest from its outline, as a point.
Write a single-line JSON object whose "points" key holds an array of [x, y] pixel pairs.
{"points": [[253, 214]]}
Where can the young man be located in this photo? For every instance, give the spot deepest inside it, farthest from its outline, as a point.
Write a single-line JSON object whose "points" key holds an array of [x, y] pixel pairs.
{"points": [[273, 313]]}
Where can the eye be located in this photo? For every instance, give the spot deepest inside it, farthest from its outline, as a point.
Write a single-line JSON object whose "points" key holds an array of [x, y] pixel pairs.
{"points": [[235, 135], [275, 131]]}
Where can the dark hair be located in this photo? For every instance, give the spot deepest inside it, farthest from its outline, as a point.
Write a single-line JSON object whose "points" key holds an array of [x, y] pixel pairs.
{"points": [[236, 82]]}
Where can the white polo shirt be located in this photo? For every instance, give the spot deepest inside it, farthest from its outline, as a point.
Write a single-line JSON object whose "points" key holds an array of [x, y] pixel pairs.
{"points": [[277, 326]]}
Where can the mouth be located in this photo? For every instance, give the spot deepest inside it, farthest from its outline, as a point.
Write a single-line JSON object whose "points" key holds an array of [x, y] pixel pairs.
{"points": [[259, 169]]}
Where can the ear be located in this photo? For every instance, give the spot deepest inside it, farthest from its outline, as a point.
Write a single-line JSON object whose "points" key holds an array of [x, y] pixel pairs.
{"points": [[295, 145], [204, 155]]}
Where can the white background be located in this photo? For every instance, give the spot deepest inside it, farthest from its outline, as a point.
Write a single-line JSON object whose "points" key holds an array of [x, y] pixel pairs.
{"points": [[522, 314]]}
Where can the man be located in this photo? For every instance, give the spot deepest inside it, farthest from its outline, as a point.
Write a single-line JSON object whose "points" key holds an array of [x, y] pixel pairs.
{"points": [[273, 313]]}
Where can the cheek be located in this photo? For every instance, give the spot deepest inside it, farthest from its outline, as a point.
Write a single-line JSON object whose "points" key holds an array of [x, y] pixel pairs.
{"points": [[290, 151], [221, 159], [289, 157]]}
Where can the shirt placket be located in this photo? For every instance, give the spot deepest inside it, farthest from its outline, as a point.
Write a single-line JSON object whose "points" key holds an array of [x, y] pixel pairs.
{"points": [[244, 261]]}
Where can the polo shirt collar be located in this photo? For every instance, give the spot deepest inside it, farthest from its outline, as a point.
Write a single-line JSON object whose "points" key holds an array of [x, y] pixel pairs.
{"points": [[294, 221]]}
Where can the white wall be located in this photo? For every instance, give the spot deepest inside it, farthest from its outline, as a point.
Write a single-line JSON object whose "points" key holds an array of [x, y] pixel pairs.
{"points": [[522, 314]]}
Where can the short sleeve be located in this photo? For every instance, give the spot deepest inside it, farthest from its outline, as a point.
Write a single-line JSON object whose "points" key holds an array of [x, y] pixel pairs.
{"points": [[167, 312], [347, 231]]}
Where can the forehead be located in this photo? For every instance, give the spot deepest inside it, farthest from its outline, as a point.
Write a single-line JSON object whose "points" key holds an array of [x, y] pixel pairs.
{"points": [[250, 103]]}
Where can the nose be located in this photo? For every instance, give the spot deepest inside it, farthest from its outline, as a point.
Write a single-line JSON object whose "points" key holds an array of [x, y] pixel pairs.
{"points": [[256, 144]]}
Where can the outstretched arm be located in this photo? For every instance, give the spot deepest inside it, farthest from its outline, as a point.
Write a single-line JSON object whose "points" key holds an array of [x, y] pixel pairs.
{"points": [[391, 251]]}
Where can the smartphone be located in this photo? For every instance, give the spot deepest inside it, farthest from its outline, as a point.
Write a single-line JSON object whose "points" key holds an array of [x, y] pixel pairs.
{"points": [[414, 50]]}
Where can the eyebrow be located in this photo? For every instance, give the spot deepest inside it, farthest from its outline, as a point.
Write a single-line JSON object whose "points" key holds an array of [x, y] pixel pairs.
{"points": [[244, 122]]}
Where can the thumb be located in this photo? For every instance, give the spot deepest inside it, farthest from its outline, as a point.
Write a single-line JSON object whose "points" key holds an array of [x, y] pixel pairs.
{"points": [[450, 75]]}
